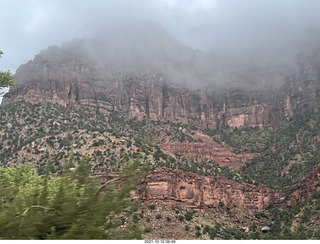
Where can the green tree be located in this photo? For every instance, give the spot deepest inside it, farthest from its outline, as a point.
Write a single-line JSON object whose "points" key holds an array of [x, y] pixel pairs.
{"points": [[71, 206], [6, 79]]}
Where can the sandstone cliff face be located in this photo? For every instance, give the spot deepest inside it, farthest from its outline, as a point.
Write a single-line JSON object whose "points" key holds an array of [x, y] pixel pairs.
{"points": [[199, 191], [58, 76], [101, 90], [72, 81], [303, 90]]}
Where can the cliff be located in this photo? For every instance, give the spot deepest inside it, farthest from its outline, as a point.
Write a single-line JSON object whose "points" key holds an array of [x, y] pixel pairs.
{"points": [[198, 191], [81, 85], [167, 81], [60, 77]]}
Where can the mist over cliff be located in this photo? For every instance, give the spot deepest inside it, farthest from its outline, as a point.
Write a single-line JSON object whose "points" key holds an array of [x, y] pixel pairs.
{"points": [[147, 48]]}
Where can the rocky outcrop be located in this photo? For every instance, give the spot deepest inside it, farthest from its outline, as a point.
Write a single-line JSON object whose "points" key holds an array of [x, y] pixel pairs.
{"points": [[209, 150], [303, 190], [205, 148], [198, 191]]}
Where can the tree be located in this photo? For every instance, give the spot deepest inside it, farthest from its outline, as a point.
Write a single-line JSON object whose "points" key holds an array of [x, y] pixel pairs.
{"points": [[6, 79], [68, 206]]}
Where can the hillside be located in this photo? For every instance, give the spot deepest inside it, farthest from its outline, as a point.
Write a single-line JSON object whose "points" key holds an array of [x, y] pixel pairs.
{"points": [[121, 128], [62, 135]]}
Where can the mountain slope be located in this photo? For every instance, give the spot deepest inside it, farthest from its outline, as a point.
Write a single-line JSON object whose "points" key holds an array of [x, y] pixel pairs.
{"points": [[215, 151]]}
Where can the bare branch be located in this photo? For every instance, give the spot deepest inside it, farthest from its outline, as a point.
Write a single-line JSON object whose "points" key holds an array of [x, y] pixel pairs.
{"points": [[35, 206], [109, 182]]}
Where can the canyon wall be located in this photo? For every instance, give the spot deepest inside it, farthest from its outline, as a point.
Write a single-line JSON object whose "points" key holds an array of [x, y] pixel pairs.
{"points": [[198, 191], [60, 77], [79, 83]]}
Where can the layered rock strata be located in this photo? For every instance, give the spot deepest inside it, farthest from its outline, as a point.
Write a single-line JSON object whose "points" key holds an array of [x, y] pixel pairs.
{"points": [[65, 77], [200, 192], [71, 81]]}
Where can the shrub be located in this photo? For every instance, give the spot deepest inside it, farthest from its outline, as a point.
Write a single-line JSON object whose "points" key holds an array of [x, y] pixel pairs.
{"points": [[221, 204], [152, 207], [147, 229], [181, 217], [188, 216]]}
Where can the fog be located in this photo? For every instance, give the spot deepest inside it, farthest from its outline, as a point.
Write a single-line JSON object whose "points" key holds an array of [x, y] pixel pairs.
{"points": [[190, 40]]}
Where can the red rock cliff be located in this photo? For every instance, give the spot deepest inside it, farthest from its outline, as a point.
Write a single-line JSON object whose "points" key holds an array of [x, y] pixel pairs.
{"points": [[76, 82], [59, 76], [199, 191]]}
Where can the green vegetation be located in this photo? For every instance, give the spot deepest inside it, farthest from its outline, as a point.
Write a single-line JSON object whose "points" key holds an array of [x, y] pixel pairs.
{"points": [[188, 216], [55, 133], [60, 130], [6, 79], [244, 140], [152, 207], [287, 153], [283, 224], [59, 198], [67, 207]]}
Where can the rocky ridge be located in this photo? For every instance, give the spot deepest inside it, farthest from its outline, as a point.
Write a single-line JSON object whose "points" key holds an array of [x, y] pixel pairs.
{"points": [[200, 192]]}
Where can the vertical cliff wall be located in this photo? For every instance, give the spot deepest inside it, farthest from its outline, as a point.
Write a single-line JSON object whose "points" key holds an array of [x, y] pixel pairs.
{"points": [[60, 77], [75, 83]]}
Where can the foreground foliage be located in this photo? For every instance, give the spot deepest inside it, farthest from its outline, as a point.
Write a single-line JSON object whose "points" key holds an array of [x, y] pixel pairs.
{"points": [[67, 207]]}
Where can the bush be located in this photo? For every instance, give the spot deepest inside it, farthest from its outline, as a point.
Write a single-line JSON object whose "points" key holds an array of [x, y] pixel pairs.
{"points": [[158, 216], [188, 216], [181, 217], [152, 207], [147, 229], [221, 204], [260, 215]]}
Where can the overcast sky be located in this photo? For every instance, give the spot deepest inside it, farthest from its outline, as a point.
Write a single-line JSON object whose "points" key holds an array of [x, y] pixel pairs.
{"points": [[32, 25]]}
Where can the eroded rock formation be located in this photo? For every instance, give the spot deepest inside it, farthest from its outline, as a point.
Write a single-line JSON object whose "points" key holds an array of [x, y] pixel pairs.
{"points": [[198, 191]]}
